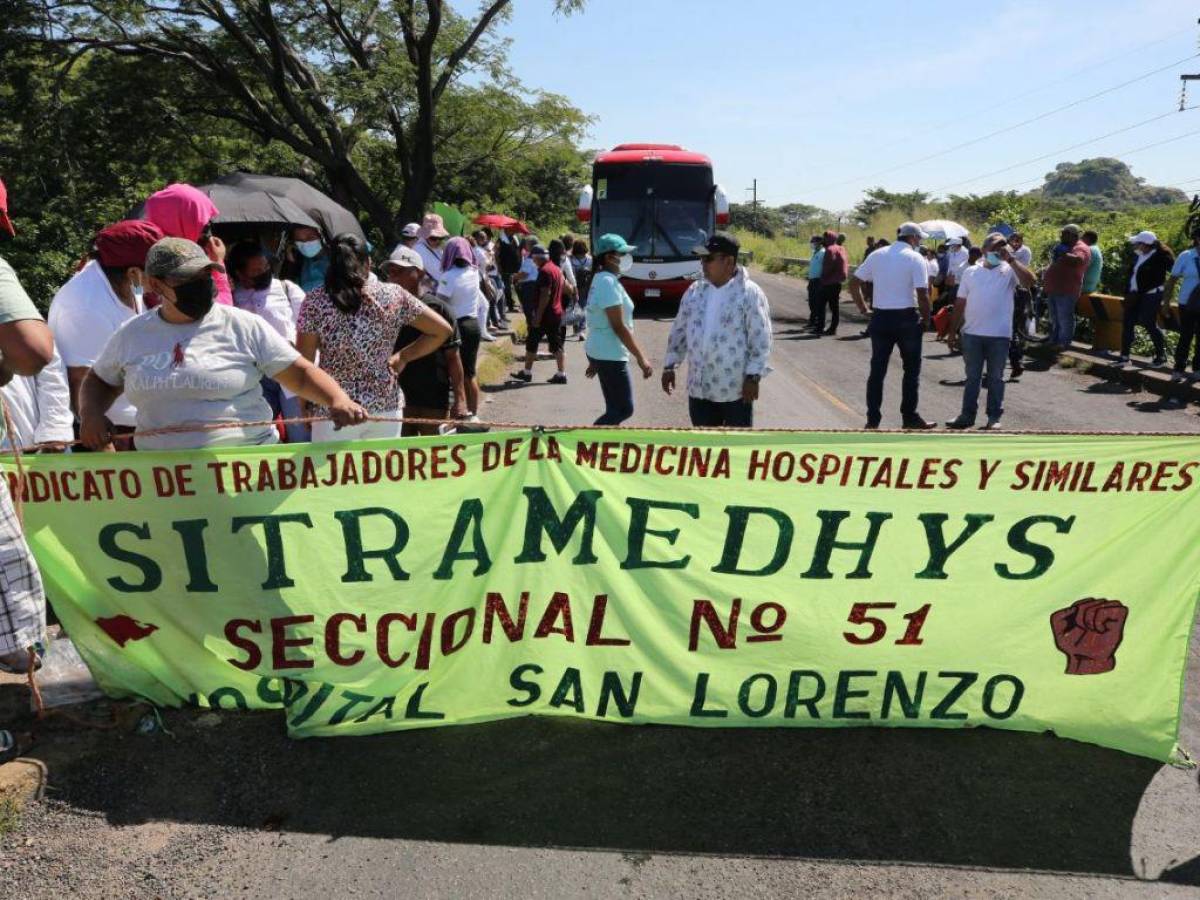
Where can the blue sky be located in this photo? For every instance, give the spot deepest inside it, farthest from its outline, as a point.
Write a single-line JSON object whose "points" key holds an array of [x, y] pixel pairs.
{"points": [[816, 100]]}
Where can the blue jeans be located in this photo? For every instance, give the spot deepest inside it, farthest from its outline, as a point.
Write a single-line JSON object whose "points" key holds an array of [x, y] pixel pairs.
{"points": [[617, 387], [1062, 318], [890, 328], [976, 351], [714, 414], [286, 407]]}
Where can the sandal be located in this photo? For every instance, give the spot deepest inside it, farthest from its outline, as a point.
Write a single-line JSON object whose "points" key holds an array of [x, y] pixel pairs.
{"points": [[18, 663]]}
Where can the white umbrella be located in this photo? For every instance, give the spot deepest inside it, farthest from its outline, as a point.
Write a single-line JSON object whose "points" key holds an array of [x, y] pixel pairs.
{"points": [[943, 229]]}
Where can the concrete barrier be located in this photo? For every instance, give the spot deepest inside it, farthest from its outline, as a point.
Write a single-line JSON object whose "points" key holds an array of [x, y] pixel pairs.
{"points": [[1108, 313]]}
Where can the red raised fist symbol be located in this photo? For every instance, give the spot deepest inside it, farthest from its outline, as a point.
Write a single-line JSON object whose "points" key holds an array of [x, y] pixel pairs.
{"points": [[1089, 632]]}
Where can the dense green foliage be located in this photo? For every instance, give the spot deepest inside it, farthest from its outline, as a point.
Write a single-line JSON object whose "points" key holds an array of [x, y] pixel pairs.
{"points": [[791, 220], [89, 135], [876, 200]]}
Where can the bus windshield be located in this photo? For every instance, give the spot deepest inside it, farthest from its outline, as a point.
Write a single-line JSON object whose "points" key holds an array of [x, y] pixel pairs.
{"points": [[664, 210]]}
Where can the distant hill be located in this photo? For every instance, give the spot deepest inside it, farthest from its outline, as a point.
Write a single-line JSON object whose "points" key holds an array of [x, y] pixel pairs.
{"points": [[1105, 183]]}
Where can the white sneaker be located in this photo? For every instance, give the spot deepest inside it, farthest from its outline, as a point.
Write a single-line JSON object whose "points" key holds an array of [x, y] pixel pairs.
{"points": [[487, 336]]}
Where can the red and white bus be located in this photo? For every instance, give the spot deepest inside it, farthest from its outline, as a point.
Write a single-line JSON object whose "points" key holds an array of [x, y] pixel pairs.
{"points": [[662, 199]]}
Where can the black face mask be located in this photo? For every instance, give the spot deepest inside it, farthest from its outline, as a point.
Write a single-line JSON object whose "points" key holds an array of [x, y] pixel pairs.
{"points": [[195, 298], [263, 281]]}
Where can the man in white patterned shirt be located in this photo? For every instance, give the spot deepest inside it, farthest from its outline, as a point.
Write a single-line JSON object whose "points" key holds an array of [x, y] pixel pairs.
{"points": [[723, 329]]}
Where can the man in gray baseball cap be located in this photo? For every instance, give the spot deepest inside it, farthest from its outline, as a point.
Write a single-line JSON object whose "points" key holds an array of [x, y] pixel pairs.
{"points": [[405, 268], [177, 260], [435, 385], [185, 270]]}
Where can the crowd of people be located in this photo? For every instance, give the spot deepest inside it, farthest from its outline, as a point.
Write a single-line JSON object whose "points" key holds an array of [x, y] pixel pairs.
{"points": [[166, 339], [985, 302]]}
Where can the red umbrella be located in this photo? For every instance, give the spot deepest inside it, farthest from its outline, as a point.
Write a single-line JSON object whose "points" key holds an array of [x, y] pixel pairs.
{"points": [[494, 220], [504, 223]]}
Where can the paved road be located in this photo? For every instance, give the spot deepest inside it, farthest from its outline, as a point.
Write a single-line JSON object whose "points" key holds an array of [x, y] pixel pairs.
{"points": [[226, 805], [820, 383]]}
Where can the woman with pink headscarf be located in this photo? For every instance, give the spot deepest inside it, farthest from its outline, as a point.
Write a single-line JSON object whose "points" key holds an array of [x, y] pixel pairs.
{"points": [[459, 288], [182, 211]]}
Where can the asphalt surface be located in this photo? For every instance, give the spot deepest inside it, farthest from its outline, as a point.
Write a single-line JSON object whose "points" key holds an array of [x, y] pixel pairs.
{"points": [[225, 805], [821, 383]]}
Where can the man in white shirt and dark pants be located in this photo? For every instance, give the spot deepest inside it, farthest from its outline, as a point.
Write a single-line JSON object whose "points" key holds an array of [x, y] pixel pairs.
{"points": [[985, 308], [899, 318]]}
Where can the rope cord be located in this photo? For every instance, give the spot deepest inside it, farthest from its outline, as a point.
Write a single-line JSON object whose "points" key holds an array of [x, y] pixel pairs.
{"points": [[558, 429]]}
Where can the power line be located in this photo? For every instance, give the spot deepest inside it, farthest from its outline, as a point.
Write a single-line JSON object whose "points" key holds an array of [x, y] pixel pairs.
{"points": [[1014, 127], [1046, 85], [1059, 152], [1123, 154], [1160, 143]]}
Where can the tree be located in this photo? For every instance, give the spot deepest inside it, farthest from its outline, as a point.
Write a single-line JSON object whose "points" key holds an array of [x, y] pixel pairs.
{"points": [[325, 78], [998, 206], [759, 219], [877, 199], [81, 148], [1106, 183]]}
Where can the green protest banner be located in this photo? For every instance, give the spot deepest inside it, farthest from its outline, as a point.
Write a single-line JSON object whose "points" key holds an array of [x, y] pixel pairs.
{"points": [[760, 579]]}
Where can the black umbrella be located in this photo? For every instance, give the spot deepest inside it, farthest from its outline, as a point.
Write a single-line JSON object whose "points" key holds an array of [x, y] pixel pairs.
{"points": [[331, 217], [247, 207]]}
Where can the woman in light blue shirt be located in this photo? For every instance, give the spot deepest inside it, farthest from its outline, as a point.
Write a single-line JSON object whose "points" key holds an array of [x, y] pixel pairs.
{"points": [[1187, 270], [610, 338]]}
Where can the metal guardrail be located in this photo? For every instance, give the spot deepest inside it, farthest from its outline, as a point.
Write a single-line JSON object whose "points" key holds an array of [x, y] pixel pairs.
{"points": [[1108, 313]]}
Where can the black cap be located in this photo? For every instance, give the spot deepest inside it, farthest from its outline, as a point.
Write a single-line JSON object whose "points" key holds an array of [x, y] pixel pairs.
{"points": [[720, 242]]}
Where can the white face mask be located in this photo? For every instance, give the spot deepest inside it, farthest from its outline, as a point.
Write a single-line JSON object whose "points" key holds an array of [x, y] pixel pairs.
{"points": [[626, 264]]}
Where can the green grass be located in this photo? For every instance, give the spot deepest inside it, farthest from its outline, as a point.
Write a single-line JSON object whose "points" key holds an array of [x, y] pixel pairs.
{"points": [[493, 363], [769, 251], [10, 816]]}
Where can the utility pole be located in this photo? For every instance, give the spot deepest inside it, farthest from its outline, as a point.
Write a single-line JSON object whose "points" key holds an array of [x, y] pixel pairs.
{"points": [[1183, 88], [754, 203]]}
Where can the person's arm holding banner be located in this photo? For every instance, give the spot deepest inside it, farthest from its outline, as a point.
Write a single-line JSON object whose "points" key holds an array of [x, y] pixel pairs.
{"points": [[96, 397], [310, 383]]}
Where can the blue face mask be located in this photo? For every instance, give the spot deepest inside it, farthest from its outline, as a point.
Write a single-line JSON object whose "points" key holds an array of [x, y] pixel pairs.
{"points": [[993, 259], [309, 249]]}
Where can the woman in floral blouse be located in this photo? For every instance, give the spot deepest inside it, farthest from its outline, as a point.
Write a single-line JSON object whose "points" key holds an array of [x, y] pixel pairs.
{"points": [[353, 321]]}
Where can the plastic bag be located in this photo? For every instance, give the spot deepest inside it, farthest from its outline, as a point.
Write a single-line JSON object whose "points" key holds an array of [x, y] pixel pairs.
{"points": [[64, 679], [575, 316]]}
